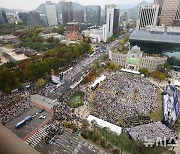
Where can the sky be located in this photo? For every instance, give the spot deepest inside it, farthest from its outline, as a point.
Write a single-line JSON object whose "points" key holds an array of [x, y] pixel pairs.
{"points": [[33, 4]]}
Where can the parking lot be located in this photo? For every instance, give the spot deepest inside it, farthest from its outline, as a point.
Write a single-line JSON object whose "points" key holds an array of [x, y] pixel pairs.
{"points": [[31, 125]]}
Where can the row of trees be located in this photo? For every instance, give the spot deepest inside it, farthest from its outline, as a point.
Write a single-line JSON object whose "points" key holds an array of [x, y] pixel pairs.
{"points": [[11, 28], [161, 73], [12, 75], [97, 69]]}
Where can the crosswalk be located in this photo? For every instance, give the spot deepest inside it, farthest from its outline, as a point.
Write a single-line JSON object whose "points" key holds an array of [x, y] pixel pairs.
{"points": [[38, 136]]}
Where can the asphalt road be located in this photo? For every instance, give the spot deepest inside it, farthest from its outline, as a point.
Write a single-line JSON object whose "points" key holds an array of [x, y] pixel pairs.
{"points": [[67, 143], [31, 125], [77, 78]]}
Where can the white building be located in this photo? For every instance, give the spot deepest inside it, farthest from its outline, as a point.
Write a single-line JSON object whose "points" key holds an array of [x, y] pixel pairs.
{"points": [[109, 21], [112, 22], [134, 59], [96, 35], [51, 13], [148, 15]]}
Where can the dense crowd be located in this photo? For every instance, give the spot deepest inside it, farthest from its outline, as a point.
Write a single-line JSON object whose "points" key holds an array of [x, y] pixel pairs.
{"points": [[151, 132], [124, 95], [63, 112], [13, 106]]}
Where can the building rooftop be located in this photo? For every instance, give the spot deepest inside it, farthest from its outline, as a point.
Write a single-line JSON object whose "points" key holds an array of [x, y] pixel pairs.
{"points": [[146, 35]]}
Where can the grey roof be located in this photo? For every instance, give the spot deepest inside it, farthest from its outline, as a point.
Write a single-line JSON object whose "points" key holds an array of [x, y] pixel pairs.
{"points": [[146, 35], [9, 57]]}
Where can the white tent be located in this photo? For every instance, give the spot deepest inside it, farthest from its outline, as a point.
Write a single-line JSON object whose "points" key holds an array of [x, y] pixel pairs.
{"points": [[102, 124], [98, 80], [130, 71]]}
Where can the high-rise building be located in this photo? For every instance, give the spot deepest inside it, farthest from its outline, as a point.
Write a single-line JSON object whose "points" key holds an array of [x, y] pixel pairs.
{"points": [[124, 19], [3, 17], [109, 21], [93, 15], [116, 21], [51, 13], [112, 22], [169, 12], [114, 15], [44, 19], [67, 12], [30, 18], [160, 3], [79, 16], [148, 15], [176, 21], [108, 6]]}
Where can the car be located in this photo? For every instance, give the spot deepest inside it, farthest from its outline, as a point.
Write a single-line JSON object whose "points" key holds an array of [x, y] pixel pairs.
{"points": [[34, 115], [28, 85], [42, 117], [42, 110]]}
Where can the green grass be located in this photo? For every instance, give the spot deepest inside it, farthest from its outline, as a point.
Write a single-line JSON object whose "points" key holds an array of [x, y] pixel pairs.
{"points": [[76, 100]]}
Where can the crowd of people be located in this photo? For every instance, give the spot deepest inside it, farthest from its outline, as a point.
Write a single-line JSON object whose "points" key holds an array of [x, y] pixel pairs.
{"points": [[124, 95], [152, 132], [14, 105], [63, 112]]}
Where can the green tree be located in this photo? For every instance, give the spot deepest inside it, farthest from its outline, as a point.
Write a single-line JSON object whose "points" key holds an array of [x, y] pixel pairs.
{"points": [[59, 29], [40, 83], [8, 80], [144, 71]]}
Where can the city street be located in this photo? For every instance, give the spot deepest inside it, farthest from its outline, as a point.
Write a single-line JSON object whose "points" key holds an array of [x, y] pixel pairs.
{"points": [[31, 125]]}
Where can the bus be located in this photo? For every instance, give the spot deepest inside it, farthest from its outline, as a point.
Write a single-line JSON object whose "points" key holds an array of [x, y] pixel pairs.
{"points": [[25, 120]]}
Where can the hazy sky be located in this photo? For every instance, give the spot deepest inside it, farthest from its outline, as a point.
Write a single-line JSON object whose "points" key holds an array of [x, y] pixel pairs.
{"points": [[33, 4]]}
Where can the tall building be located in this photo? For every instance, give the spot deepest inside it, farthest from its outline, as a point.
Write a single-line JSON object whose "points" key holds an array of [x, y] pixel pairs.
{"points": [[108, 6], [67, 12], [30, 18], [169, 12], [51, 13], [148, 15], [112, 20], [176, 21], [44, 19], [109, 21], [79, 16], [116, 21], [124, 19], [3, 17], [93, 15], [160, 3]]}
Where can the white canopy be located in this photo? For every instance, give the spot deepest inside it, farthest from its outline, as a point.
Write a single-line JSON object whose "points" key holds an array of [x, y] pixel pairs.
{"points": [[102, 123], [130, 71], [98, 80]]}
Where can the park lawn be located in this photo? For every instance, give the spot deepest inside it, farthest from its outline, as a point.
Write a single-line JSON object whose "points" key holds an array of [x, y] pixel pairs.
{"points": [[76, 100], [157, 116]]}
